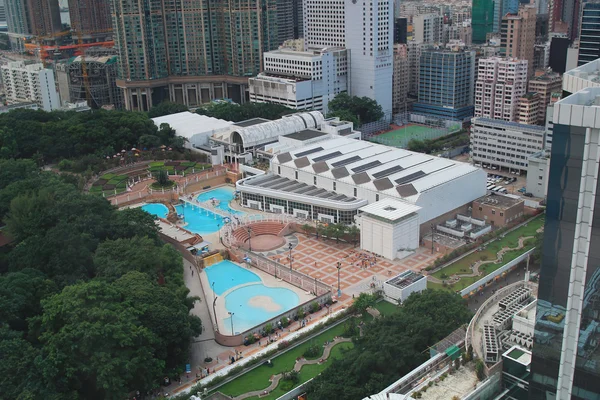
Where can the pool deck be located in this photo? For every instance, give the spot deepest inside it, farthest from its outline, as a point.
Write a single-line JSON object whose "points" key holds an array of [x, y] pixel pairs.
{"points": [[267, 280]]}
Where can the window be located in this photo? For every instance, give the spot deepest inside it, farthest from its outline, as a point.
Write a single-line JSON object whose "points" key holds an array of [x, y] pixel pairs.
{"points": [[480, 208], [502, 214], [296, 174], [355, 192], [493, 212], [376, 197], [279, 170], [315, 180]]}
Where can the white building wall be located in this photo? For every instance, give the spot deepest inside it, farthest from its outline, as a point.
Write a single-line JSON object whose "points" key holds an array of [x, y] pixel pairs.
{"points": [[537, 176], [30, 83], [369, 36], [385, 238], [427, 28]]}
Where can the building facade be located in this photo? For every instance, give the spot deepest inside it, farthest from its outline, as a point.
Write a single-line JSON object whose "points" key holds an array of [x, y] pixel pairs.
{"points": [[338, 23], [545, 84], [537, 174], [505, 145], [25, 83], [483, 20], [564, 352], [518, 35], [90, 19], [27, 18], [589, 39], [498, 210], [500, 84], [301, 80], [530, 106], [190, 55], [446, 84], [401, 78], [428, 28]]}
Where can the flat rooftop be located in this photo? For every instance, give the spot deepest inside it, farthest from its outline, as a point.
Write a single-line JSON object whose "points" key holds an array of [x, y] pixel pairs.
{"points": [[499, 201], [390, 209], [250, 122], [405, 279], [306, 134], [519, 355]]}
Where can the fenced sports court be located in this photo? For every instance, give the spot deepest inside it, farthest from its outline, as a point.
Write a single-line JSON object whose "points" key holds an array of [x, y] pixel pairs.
{"points": [[413, 126]]}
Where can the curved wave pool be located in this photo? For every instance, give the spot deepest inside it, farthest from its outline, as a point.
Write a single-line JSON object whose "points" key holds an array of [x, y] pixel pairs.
{"points": [[160, 210], [227, 275], [224, 195]]}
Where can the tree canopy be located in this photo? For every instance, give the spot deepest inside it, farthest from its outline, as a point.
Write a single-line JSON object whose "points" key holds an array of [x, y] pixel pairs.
{"points": [[391, 346], [53, 136], [166, 108], [235, 112], [360, 110], [92, 304]]}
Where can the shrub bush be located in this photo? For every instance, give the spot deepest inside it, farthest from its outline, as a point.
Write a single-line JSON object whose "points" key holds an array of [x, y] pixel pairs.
{"points": [[312, 351], [285, 322], [292, 376], [314, 307], [283, 344], [208, 359]]}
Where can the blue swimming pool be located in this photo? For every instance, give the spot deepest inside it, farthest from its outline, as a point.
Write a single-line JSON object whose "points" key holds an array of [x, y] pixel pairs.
{"points": [[250, 301], [254, 304], [198, 219], [227, 275], [160, 210], [224, 195]]}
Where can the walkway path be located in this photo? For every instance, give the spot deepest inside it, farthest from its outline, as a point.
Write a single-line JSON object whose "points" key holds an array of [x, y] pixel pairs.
{"points": [[297, 367], [475, 267]]}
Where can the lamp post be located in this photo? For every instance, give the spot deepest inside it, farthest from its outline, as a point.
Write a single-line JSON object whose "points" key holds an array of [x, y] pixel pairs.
{"points": [[432, 238], [249, 238], [231, 319], [214, 306], [339, 267], [290, 247]]}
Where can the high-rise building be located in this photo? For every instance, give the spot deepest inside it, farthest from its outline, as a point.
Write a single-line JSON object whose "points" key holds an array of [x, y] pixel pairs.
{"points": [[545, 84], [589, 38], [366, 29], [400, 30], [285, 20], [530, 105], [303, 80], [90, 19], [500, 84], [28, 18], [564, 17], [25, 83], [501, 8], [483, 20], [3, 25], [446, 84], [427, 28], [414, 49], [297, 16], [190, 55], [565, 352], [518, 35], [400, 78]]}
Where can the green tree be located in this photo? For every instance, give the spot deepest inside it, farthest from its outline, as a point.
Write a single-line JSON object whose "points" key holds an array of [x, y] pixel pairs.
{"points": [[166, 108], [162, 179], [235, 112], [354, 233], [364, 108], [308, 229], [364, 301], [537, 252]]}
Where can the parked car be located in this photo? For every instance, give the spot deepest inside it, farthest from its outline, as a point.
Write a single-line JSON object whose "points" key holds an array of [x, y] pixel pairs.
{"points": [[522, 190], [528, 194]]}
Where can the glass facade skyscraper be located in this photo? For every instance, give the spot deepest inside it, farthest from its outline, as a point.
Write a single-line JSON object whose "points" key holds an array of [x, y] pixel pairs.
{"points": [[589, 38], [566, 352]]}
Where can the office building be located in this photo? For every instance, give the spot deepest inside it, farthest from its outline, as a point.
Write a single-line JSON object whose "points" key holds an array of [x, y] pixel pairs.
{"points": [[427, 28], [545, 84], [564, 360], [541, 55], [193, 56], [537, 174], [564, 17], [3, 26], [518, 35], [500, 84], [400, 30], [582, 77], [505, 145], [26, 83], [589, 38], [90, 19], [400, 79], [483, 20], [289, 20], [530, 105], [27, 18], [301, 80], [501, 8], [558, 53], [446, 84], [366, 29]]}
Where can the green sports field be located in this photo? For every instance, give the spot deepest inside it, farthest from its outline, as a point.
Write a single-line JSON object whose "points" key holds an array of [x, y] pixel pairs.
{"points": [[411, 131]]}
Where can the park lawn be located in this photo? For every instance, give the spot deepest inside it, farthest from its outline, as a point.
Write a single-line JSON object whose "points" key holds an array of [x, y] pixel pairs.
{"points": [[308, 372], [490, 253], [386, 308], [258, 378], [108, 176]]}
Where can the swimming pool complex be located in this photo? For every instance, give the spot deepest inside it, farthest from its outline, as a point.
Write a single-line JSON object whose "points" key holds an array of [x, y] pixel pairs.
{"points": [[198, 219], [250, 301]]}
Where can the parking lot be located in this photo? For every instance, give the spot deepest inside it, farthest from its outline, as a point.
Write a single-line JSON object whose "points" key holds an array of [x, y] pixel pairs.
{"points": [[513, 183]]}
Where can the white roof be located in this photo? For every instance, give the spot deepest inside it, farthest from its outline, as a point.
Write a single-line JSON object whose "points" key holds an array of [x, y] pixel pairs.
{"points": [[390, 209], [188, 124], [265, 132]]}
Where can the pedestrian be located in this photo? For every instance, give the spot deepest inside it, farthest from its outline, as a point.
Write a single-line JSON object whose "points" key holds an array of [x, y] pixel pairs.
{"points": [[192, 272]]}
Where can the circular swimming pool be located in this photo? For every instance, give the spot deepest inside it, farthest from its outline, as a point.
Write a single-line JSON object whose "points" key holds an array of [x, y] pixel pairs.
{"points": [[160, 210]]}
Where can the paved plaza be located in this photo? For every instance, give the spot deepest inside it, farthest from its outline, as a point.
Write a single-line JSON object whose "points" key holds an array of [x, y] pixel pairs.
{"points": [[360, 271]]}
